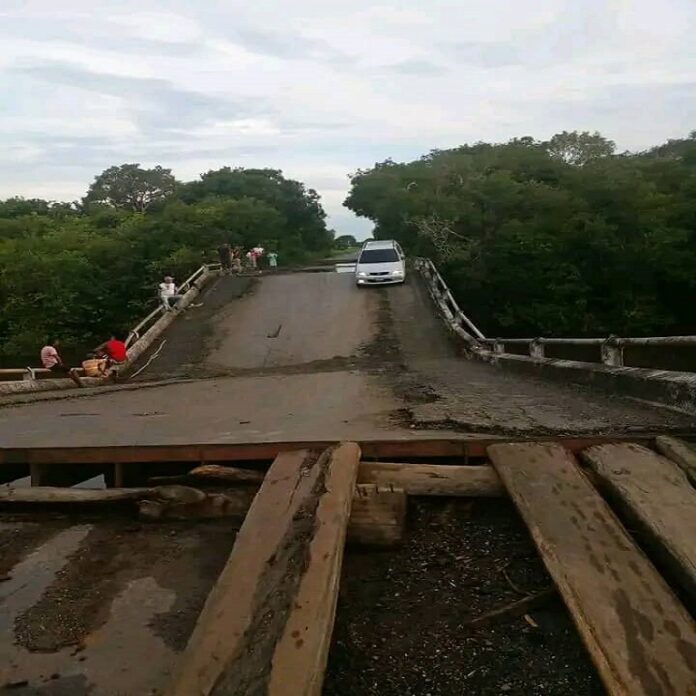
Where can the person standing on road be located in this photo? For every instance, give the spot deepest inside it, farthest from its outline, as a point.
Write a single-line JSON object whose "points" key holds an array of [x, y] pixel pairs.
{"points": [[169, 294], [51, 360], [237, 260], [225, 254], [272, 257]]}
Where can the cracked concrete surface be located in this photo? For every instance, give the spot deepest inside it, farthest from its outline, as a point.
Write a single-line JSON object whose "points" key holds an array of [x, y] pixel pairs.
{"points": [[310, 356]]}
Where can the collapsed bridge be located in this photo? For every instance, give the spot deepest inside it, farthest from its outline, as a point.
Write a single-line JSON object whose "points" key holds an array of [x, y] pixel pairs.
{"points": [[504, 505]]}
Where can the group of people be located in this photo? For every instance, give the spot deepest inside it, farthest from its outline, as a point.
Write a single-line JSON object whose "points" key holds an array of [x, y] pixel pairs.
{"points": [[102, 362], [231, 258]]}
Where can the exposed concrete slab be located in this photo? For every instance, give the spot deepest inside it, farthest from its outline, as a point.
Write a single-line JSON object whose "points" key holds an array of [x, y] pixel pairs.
{"points": [[309, 356]]}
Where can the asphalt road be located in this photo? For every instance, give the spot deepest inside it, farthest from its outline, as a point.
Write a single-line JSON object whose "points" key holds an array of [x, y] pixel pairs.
{"points": [[310, 356]]}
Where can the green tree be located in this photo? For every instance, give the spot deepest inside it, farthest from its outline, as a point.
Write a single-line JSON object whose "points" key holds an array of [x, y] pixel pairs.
{"points": [[300, 206], [579, 148], [131, 187], [549, 240], [345, 241]]}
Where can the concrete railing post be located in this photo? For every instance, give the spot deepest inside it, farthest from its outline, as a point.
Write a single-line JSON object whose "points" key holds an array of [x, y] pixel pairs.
{"points": [[612, 352], [536, 348], [499, 347]]}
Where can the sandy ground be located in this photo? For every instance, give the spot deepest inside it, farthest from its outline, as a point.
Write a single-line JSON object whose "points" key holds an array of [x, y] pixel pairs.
{"points": [[309, 356]]}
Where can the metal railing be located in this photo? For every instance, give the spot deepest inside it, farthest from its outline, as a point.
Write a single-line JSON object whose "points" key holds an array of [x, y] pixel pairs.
{"points": [[444, 298], [29, 374], [137, 331], [611, 348]]}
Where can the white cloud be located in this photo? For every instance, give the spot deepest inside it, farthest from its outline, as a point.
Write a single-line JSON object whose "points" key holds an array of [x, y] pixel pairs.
{"points": [[321, 89], [159, 26]]}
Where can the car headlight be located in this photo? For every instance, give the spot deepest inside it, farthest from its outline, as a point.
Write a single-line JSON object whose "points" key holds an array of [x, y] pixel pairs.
{"points": [[362, 274], [397, 273]]}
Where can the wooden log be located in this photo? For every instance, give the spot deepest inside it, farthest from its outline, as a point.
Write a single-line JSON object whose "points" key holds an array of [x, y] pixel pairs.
{"points": [[214, 473], [49, 495], [231, 474], [433, 479], [679, 451], [640, 637], [377, 516], [234, 503], [266, 626], [172, 501], [653, 492]]}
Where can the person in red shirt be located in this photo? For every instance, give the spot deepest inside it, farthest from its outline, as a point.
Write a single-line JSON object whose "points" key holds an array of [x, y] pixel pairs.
{"points": [[115, 352]]}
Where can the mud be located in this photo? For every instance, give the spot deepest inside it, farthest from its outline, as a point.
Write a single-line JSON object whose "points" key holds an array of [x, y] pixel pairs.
{"points": [[17, 537], [99, 594], [401, 625]]}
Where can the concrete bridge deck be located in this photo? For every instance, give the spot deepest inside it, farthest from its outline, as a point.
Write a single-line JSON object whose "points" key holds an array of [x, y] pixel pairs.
{"points": [[309, 356]]}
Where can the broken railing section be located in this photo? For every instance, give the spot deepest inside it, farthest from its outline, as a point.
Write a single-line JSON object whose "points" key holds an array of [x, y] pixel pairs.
{"points": [[610, 349], [444, 300]]}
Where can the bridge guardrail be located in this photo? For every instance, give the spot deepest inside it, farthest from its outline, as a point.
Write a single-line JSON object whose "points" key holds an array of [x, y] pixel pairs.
{"points": [[611, 348], [458, 321], [29, 374]]}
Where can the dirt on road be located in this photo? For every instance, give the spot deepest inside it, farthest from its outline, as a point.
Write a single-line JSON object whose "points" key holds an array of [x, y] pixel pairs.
{"points": [[310, 356]]}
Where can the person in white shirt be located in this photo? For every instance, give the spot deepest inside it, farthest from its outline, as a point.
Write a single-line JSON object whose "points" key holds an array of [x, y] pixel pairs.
{"points": [[51, 360], [169, 293]]}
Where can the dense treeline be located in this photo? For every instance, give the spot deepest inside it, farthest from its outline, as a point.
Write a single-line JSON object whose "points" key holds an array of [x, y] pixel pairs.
{"points": [[80, 271], [550, 238]]}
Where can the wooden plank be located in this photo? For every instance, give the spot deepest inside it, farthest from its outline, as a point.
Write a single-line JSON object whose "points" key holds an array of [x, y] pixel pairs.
{"points": [[654, 493], [267, 623], [433, 479], [377, 516], [374, 449], [639, 636], [681, 452]]}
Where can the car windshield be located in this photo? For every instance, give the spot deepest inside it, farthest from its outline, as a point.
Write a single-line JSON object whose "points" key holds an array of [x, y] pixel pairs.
{"points": [[378, 256]]}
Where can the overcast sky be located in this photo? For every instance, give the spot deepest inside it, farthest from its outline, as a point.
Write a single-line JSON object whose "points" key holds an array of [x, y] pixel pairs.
{"points": [[320, 89]]}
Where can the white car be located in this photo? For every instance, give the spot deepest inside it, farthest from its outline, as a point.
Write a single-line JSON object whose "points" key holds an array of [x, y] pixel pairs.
{"points": [[380, 263]]}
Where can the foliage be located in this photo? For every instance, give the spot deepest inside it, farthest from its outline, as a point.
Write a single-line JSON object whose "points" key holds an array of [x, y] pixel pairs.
{"points": [[549, 238], [345, 241], [131, 187], [303, 225], [579, 148], [80, 273]]}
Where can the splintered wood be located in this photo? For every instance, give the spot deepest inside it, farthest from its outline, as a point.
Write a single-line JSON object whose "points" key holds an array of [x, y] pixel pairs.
{"points": [[655, 494], [267, 624], [640, 637]]}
